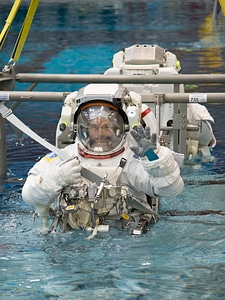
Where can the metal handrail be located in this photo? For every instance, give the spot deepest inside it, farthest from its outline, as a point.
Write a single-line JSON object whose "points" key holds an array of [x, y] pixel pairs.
{"points": [[6, 78], [134, 79], [149, 98]]}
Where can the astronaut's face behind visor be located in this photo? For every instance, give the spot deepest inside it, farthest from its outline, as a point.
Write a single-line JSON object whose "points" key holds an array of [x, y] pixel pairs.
{"points": [[100, 127]]}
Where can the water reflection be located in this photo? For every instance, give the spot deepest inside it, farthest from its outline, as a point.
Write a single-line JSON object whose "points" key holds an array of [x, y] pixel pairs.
{"points": [[212, 57], [116, 22]]}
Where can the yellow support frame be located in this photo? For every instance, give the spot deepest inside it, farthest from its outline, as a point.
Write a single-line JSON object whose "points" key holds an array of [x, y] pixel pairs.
{"points": [[222, 4], [9, 21], [24, 31]]}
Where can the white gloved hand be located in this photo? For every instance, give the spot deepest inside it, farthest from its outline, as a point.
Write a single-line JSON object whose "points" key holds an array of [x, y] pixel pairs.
{"points": [[164, 173], [42, 189], [146, 142], [68, 173]]}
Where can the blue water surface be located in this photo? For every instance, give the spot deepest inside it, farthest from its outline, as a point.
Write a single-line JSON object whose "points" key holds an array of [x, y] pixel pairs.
{"points": [[183, 255]]}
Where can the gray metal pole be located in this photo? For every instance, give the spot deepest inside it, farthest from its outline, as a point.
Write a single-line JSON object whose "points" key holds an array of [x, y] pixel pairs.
{"points": [[136, 79], [25, 96], [185, 97], [215, 10], [60, 97]]}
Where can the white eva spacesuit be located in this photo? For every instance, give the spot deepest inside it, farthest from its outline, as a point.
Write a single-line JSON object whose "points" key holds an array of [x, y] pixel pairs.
{"points": [[128, 162]]}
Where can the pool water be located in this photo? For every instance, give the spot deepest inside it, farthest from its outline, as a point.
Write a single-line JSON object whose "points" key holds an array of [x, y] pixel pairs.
{"points": [[183, 255]]}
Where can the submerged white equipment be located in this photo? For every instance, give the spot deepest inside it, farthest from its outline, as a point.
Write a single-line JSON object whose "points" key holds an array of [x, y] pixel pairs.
{"points": [[144, 59]]}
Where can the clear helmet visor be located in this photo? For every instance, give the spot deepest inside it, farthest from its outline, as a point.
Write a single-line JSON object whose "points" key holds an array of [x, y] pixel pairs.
{"points": [[100, 127]]}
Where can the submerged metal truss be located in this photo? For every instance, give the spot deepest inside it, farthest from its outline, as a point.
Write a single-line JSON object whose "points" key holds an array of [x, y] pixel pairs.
{"points": [[11, 99]]}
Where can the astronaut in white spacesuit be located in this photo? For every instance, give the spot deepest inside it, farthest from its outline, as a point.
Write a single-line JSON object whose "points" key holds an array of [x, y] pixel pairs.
{"points": [[130, 162]]}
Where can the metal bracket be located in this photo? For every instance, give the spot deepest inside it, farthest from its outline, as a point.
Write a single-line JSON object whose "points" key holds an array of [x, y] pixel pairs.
{"points": [[159, 99], [7, 78], [180, 121]]}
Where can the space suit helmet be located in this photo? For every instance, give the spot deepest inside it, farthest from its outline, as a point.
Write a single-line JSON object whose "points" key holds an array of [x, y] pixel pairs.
{"points": [[100, 124], [100, 127]]}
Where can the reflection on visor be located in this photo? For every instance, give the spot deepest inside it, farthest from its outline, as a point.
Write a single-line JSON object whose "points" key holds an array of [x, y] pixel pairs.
{"points": [[100, 128]]}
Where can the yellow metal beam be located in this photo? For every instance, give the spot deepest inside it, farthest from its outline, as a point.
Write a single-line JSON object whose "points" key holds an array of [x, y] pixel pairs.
{"points": [[24, 31], [222, 4], [9, 21]]}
